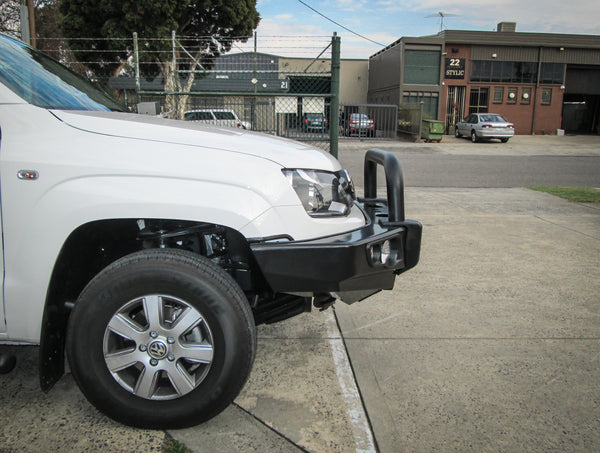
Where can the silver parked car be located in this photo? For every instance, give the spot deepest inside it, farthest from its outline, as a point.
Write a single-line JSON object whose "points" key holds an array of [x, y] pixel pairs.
{"points": [[484, 126], [360, 124]]}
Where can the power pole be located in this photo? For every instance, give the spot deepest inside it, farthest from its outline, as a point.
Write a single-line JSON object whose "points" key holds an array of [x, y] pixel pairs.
{"points": [[27, 22], [334, 114]]}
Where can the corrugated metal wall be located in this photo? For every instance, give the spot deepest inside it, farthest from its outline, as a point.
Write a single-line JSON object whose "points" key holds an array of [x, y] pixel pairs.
{"points": [[384, 69], [504, 53], [549, 55]]}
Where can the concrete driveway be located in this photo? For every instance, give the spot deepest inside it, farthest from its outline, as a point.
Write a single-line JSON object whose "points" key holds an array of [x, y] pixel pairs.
{"points": [[492, 343]]}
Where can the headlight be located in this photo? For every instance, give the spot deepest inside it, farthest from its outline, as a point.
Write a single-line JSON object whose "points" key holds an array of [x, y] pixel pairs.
{"points": [[322, 193]]}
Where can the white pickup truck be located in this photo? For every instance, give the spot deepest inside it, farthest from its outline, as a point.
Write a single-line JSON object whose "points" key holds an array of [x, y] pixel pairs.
{"points": [[147, 250]]}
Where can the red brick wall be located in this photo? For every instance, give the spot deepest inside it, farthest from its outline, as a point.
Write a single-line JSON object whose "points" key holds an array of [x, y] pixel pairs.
{"points": [[547, 117]]}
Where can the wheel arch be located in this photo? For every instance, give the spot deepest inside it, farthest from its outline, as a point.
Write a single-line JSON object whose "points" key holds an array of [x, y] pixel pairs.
{"points": [[88, 250]]}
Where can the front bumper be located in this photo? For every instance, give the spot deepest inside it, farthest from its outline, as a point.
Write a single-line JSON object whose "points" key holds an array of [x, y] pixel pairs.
{"points": [[355, 264]]}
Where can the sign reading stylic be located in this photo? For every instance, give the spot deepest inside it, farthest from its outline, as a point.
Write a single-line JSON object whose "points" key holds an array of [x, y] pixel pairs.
{"points": [[455, 68]]}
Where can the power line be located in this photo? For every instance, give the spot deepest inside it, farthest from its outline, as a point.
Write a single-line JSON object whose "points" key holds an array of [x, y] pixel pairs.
{"points": [[340, 25]]}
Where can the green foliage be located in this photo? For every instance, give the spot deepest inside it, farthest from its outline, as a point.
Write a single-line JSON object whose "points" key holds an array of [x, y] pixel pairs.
{"points": [[173, 446], [575, 194], [210, 26]]}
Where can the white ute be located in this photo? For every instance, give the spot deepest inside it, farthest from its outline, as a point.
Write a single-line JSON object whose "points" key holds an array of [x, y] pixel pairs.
{"points": [[146, 250]]}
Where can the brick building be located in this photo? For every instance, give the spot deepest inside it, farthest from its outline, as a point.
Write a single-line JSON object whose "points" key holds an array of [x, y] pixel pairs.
{"points": [[541, 82]]}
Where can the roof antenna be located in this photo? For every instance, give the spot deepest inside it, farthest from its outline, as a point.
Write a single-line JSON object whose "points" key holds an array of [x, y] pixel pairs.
{"points": [[441, 15]]}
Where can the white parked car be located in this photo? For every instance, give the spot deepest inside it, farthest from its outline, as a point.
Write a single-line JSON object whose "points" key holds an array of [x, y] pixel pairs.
{"points": [[217, 117], [148, 249], [485, 126]]}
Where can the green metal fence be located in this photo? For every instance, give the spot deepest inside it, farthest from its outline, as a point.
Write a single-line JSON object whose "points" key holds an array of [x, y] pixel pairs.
{"points": [[409, 120]]}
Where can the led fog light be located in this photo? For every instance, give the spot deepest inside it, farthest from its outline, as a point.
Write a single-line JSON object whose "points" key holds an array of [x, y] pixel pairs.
{"points": [[384, 253]]}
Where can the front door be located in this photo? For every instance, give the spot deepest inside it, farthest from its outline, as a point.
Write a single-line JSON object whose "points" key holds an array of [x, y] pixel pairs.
{"points": [[455, 106]]}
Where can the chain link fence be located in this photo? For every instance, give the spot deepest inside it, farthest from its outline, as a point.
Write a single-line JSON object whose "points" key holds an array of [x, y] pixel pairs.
{"points": [[252, 86]]}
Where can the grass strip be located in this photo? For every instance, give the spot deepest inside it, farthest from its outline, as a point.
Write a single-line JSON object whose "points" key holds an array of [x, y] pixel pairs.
{"points": [[574, 194]]}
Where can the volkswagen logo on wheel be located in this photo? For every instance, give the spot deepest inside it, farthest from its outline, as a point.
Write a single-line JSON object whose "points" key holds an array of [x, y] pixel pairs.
{"points": [[157, 349]]}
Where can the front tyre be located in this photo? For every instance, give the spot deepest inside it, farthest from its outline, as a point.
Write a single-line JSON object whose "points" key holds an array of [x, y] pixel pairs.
{"points": [[161, 339], [457, 134]]}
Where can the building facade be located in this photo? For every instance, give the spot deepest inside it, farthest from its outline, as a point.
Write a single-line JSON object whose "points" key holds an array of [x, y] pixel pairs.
{"points": [[543, 83]]}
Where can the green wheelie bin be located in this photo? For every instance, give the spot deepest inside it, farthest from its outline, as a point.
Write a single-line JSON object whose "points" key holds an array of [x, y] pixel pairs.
{"points": [[432, 130]]}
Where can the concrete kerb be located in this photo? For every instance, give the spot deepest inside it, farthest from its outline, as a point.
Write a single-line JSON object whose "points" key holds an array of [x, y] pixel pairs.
{"points": [[519, 145]]}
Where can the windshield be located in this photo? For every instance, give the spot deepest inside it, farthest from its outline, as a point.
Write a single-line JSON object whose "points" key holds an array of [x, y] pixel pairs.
{"points": [[46, 83], [224, 115], [493, 118]]}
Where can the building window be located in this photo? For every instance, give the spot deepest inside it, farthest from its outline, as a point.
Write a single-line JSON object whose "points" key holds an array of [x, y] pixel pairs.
{"points": [[525, 95], [429, 100], [503, 71], [479, 100], [498, 95], [546, 96], [552, 73], [513, 93], [509, 71], [481, 71], [422, 67]]}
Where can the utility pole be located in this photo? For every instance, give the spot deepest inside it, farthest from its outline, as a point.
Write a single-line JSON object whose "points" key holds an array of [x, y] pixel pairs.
{"points": [[334, 114], [27, 22]]}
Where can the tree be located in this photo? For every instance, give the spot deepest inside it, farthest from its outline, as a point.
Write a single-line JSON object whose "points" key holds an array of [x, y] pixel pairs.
{"points": [[49, 38], [10, 17], [207, 27]]}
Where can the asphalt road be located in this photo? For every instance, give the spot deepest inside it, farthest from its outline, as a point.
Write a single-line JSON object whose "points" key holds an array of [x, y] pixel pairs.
{"points": [[500, 171], [455, 163]]}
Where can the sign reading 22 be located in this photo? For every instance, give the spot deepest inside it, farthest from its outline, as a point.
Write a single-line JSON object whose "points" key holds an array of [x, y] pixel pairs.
{"points": [[455, 68]]}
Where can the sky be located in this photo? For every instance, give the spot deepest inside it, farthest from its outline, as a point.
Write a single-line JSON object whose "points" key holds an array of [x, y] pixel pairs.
{"points": [[289, 28]]}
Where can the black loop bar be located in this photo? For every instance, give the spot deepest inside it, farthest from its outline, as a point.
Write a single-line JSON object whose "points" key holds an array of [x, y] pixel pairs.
{"points": [[393, 178]]}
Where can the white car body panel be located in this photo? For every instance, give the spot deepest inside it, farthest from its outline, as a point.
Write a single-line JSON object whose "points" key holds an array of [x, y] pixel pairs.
{"points": [[287, 153], [102, 165], [218, 117], [8, 97]]}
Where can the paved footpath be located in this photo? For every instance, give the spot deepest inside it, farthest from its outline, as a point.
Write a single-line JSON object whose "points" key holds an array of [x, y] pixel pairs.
{"points": [[492, 343]]}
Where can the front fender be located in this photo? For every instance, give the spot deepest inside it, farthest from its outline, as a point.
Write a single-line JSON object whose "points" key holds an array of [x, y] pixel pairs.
{"points": [[35, 244]]}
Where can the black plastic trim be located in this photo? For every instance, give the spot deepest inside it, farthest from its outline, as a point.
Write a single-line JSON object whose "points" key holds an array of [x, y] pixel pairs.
{"points": [[341, 263], [393, 178]]}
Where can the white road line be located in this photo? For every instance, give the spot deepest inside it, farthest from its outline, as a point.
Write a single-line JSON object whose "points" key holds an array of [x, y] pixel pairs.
{"points": [[363, 436]]}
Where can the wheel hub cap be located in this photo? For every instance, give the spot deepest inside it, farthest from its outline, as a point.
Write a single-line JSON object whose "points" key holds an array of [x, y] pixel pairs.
{"points": [[157, 349]]}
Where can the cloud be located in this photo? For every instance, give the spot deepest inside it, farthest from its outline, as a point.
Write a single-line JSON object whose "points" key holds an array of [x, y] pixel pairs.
{"points": [[553, 16], [289, 40], [385, 21]]}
